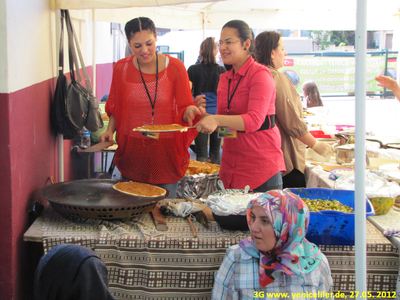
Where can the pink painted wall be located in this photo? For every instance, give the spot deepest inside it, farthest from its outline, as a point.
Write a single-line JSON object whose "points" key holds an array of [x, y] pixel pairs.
{"points": [[103, 80], [28, 156]]}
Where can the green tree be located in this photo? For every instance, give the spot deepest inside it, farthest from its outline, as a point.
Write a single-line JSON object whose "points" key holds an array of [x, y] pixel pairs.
{"points": [[346, 37], [320, 38]]}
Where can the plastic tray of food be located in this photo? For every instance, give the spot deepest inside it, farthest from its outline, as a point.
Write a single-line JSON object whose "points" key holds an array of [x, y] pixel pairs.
{"points": [[330, 227]]}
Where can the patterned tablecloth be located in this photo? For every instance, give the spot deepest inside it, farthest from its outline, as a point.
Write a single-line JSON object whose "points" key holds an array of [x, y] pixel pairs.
{"points": [[145, 264]]}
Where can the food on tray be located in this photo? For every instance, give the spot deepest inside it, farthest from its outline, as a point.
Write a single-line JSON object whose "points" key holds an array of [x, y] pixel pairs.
{"points": [[105, 117], [344, 172], [307, 113], [139, 189], [319, 205], [197, 167], [157, 128]]}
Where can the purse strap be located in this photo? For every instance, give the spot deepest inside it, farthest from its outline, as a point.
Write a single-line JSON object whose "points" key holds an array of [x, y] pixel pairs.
{"points": [[72, 42], [61, 48]]}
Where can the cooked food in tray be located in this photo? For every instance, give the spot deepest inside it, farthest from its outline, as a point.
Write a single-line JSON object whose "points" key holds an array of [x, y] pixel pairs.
{"points": [[198, 167], [320, 205], [105, 117], [161, 128], [307, 113], [139, 189]]}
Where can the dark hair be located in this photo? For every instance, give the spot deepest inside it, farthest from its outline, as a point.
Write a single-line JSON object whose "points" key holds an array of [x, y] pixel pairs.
{"points": [[311, 90], [208, 47], [137, 25], [265, 42], [244, 32]]}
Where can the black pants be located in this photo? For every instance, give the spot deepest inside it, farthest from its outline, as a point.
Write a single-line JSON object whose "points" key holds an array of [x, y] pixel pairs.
{"points": [[201, 142], [295, 179]]}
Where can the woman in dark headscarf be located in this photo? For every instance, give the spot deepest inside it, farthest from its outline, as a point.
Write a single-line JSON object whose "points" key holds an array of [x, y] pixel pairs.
{"points": [[71, 272], [277, 258]]}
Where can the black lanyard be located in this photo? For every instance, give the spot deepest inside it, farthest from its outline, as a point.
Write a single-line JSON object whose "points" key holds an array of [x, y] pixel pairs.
{"points": [[152, 103], [229, 88]]}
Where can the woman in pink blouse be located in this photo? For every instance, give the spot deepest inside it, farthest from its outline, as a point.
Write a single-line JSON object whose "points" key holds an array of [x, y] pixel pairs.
{"points": [[246, 116]]}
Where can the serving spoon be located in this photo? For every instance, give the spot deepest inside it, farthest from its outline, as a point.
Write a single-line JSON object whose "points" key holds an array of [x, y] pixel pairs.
{"points": [[221, 185]]}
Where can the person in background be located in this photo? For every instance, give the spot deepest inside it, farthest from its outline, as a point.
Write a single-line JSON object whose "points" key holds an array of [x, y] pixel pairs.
{"points": [[311, 94], [269, 51], [277, 258], [204, 78], [71, 272], [246, 116], [149, 88], [389, 83]]}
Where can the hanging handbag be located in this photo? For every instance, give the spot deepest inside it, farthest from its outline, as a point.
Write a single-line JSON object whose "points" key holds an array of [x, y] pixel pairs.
{"points": [[74, 106]]}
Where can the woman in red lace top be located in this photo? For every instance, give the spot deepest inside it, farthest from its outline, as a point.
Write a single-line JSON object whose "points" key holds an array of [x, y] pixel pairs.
{"points": [[150, 88]]}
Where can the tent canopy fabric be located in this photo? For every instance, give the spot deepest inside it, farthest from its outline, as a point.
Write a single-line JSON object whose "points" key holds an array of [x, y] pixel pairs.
{"points": [[263, 14]]}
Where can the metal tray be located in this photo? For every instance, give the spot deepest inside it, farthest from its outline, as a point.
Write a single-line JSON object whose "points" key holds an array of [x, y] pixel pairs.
{"points": [[96, 198]]}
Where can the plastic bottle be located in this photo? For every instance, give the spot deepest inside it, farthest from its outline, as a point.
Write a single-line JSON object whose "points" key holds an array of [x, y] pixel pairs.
{"points": [[85, 140]]}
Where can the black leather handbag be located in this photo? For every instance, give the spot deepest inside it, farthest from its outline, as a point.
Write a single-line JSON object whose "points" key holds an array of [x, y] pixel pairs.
{"points": [[74, 105]]}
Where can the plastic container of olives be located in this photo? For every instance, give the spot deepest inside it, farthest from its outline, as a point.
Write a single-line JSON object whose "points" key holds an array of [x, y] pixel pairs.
{"points": [[331, 227]]}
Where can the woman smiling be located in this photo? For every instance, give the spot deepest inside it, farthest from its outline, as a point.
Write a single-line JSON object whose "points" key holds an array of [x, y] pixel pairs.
{"points": [[246, 116], [149, 88]]}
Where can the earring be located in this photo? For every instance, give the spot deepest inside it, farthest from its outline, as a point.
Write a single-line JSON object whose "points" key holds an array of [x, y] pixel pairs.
{"points": [[245, 48]]}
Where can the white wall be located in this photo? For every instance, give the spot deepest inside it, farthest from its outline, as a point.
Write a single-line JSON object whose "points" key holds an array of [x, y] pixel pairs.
{"points": [[3, 48], [28, 53]]}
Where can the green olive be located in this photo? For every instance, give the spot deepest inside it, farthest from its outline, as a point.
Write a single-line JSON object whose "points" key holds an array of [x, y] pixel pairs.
{"points": [[320, 205]]}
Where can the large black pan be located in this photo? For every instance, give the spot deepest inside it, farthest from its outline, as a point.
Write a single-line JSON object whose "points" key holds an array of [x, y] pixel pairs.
{"points": [[96, 198]]}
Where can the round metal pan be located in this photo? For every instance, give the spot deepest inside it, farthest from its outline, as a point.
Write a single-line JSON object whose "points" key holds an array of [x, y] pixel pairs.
{"points": [[96, 198]]}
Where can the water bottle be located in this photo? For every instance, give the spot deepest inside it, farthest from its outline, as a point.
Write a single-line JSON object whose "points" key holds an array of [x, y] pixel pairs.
{"points": [[85, 140]]}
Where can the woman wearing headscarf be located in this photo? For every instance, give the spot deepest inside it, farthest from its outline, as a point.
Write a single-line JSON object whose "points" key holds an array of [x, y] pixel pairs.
{"points": [[270, 51], [71, 272], [277, 258]]}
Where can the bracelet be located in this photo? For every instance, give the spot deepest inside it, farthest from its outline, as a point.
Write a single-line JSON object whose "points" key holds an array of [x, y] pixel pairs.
{"points": [[315, 145]]}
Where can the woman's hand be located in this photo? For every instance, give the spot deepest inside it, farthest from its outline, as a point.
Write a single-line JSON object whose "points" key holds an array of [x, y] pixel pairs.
{"points": [[208, 124], [323, 148], [191, 112], [387, 82], [200, 101], [107, 136]]}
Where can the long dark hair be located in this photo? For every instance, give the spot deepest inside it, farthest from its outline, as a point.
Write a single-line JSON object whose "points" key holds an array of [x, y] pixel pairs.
{"points": [[208, 48], [244, 32], [137, 25], [265, 42], [310, 89]]}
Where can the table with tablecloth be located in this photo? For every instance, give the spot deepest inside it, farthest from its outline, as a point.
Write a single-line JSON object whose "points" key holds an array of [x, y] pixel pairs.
{"points": [[144, 263]]}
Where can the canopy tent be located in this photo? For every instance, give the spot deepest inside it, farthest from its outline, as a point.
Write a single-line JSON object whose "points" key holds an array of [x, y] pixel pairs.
{"points": [[283, 14], [268, 14]]}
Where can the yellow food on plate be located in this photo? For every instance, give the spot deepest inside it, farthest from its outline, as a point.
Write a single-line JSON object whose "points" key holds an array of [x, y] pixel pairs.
{"points": [[307, 114], [105, 117], [139, 189], [197, 167], [155, 128]]}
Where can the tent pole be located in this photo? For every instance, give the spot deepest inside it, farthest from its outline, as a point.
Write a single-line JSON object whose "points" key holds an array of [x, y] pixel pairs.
{"points": [[94, 52], [360, 164], [204, 25], [60, 137]]}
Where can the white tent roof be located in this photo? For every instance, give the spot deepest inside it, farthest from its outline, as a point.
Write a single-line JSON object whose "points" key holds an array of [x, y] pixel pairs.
{"points": [[282, 14]]}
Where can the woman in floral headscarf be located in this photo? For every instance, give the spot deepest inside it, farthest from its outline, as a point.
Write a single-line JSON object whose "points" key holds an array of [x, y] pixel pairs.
{"points": [[277, 258]]}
